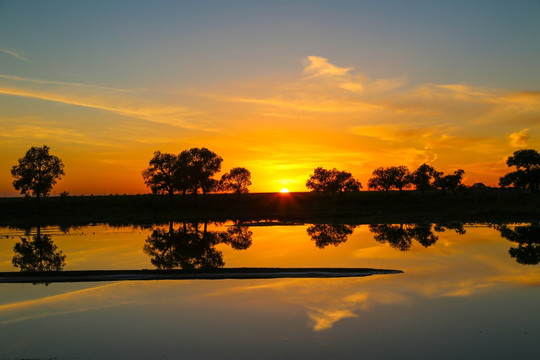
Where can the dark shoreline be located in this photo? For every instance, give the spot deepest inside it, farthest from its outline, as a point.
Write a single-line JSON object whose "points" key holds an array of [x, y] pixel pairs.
{"points": [[483, 205], [212, 274]]}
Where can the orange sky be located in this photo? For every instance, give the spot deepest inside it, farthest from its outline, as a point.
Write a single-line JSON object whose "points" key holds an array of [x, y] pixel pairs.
{"points": [[279, 101]]}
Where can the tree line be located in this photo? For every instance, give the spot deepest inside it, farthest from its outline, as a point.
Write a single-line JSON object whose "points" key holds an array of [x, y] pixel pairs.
{"points": [[192, 170], [385, 179]]}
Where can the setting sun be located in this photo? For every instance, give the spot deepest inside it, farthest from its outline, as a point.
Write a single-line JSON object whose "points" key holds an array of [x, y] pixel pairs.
{"points": [[284, 191]]}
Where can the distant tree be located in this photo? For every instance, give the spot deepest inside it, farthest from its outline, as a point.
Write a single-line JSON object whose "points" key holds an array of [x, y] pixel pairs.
{"points": [[451, 182], [397, 177], [202, 164], [423, 177], [527, 175], [37, 172], [160, 176], [236, 180], [332, 181]]}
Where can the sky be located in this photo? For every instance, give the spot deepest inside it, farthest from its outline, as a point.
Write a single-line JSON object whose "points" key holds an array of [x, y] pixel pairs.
{"points": [[278, 87]]}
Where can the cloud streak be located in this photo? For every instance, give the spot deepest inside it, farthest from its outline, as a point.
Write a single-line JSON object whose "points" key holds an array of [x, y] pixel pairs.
{"points": [[14, 54], [135, 103]]}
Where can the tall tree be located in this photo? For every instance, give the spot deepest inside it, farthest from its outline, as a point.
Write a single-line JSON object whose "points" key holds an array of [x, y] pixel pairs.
{"points": [[424, 177], [203, 164], [37, 172], [160, 176], [397, 177], [236, 180], [332, 181], [527, 163]]}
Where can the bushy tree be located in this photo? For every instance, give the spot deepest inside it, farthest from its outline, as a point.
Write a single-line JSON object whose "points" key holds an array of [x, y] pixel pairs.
{"points": [[451, 182], [424, 177], [397, 177], [37, 172], [236, 180], [332, 181], [161, 174], [527, 175], [190, 170], [203, 164]]}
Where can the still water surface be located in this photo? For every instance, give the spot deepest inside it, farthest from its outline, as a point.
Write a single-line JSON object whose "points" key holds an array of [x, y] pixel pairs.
{"points": [[469, 292]]}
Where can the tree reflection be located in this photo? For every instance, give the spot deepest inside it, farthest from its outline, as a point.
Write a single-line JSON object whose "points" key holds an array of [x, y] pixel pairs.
{"points": [[400, 236], [326, 234], [238, 236], [527, 238], [397, 236], [38, 254], [192, 245]]}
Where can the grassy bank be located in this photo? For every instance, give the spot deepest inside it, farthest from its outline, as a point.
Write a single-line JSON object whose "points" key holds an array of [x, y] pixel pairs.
{"points": [[362, 207]]}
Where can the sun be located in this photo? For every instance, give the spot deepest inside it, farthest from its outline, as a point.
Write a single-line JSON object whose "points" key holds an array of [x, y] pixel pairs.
{"points": [[284, 191]]}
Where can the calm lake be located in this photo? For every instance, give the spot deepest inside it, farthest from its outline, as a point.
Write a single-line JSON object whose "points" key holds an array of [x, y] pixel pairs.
{"points": [[466, 291]]}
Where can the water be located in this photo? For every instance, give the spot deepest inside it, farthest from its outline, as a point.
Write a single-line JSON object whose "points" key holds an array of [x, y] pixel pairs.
{"points": [[464, 294]]}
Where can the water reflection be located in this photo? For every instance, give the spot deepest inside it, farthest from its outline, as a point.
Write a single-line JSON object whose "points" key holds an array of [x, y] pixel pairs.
{"points": [[192, 245], [400, 236], [38, 254], [527, 238], [326, 234]]}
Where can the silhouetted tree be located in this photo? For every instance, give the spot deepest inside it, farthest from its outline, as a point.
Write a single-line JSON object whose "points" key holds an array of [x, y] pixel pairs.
{"points": [[38, 254], [527, 239], [326, 234], [236, 180], [37, 172], [423, 177], [397, 177], [202, 164], [527, 163], [161, 174], [451, 182], [332, 181]]}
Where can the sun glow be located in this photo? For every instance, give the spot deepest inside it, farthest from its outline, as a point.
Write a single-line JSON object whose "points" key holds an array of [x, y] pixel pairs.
{"points": [[284, 191]]}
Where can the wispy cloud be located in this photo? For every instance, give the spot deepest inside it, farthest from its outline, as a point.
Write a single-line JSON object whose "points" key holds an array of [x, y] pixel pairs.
{"points": [[135, 103], [520, 138], [14, 54], [319, 66]]}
